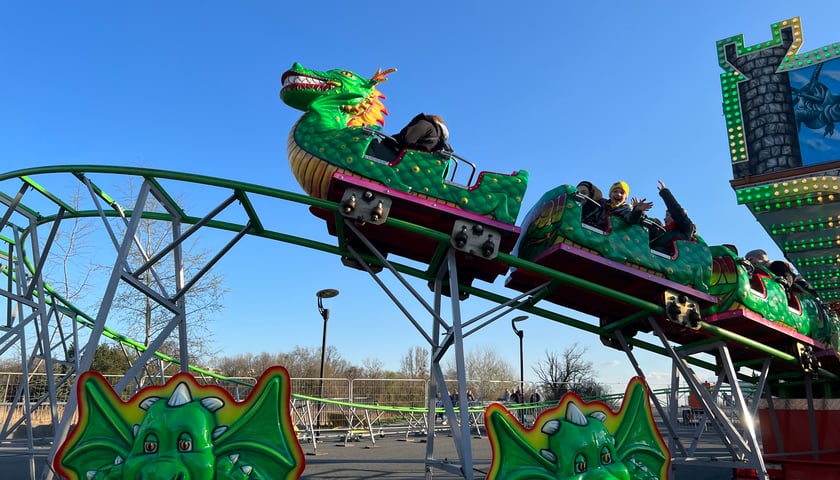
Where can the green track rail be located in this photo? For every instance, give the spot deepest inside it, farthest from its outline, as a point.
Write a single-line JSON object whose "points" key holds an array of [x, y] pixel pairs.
{"points": [[254, 225]]}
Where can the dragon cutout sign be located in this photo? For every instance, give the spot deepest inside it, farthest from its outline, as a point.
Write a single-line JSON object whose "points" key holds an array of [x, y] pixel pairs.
{"points": [[578, 440], [182, 430]]}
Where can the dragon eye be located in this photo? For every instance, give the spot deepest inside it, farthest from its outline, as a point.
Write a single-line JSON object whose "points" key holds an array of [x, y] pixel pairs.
{"points": [[150, 444], [347, 74], [185, 442], [580, 463], [606, 456]]}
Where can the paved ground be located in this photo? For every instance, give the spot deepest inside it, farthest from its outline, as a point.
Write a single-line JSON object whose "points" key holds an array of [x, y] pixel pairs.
{"points": [[394, 458], [391, 458]]}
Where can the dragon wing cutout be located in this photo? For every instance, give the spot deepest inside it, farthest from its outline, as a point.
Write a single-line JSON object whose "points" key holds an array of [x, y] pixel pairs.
{"points": [[516, 458], [521, 453], [263, 437], [638, 443], [104, 439]]}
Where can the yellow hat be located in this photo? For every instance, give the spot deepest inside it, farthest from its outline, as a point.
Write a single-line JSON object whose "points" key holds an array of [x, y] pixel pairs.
{"points": [[622, 185]]}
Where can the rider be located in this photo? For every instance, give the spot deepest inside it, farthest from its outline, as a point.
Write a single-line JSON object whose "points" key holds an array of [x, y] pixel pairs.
{"points": [[677, 225], [616, 204], [592, 210], [425, 132]]}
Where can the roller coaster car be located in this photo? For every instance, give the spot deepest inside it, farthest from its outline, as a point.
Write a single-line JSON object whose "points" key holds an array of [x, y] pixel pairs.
{"points": [[618, 259], [753, 303], [477, 238], [337, 144]]}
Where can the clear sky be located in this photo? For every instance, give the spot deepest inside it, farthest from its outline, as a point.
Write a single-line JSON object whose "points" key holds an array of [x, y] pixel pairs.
{"points": [[566, 90]]}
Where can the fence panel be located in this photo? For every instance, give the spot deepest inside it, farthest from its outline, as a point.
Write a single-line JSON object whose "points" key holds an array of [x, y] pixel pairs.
{"points": [[392, 392]]}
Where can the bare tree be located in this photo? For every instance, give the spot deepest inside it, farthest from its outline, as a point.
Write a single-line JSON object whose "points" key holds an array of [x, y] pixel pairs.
{"points": [[483, 368], [415, 363], [305, 362], [72, 252], [568, 371], [144, 318], [373, 368]]}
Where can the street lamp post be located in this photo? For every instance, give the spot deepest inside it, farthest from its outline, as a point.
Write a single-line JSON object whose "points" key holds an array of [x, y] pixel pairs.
{"points": [[520, 334], [325, 314]]}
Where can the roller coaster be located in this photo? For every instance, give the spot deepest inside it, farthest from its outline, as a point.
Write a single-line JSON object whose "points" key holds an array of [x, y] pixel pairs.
{"points": [[391, 209]]}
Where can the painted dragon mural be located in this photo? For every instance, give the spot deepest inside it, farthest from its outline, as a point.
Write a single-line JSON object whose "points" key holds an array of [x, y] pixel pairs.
{"points": [[342, 113], [578, 440], [816, 105], [182, 430]]}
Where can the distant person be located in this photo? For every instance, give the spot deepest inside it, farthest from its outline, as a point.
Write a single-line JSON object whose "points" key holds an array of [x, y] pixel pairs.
{"points": [[425, 132], [676, 224], [535, 397], [506, 395]]}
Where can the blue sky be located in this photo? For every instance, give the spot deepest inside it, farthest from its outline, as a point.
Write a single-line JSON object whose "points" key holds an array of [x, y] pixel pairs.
{"points": [[567, 90]]}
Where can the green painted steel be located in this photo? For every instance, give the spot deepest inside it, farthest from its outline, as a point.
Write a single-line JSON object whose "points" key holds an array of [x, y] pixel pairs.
{"points": [[246, 191]]}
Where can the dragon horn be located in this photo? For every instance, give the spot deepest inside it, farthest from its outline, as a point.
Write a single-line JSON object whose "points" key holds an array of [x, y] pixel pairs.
{"points": [[379, 76], [816, 75]]}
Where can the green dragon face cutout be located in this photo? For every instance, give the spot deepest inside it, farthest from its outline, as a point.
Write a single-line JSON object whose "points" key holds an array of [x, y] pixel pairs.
{"points": [[182, 430], [577, 440]]}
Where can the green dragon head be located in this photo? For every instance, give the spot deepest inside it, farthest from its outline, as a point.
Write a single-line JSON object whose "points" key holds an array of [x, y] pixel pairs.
{"points": [[182, 430], [351, 98], [579, 440]]}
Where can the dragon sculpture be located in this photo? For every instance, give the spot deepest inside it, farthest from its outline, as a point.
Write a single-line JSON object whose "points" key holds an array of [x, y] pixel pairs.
{"points": [[577, 440], [182, 430], [342, 113]]}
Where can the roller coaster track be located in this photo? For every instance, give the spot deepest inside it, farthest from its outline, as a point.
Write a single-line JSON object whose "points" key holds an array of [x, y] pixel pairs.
{"points": [[51, 333]]}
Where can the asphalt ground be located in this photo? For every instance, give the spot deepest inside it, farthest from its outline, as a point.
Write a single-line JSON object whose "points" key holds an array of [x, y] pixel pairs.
{"points": [[393, 457], [398, 458]]}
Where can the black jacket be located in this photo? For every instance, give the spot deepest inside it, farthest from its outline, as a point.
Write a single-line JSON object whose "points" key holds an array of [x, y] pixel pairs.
{"points": [[423, 133], [682, 228]]}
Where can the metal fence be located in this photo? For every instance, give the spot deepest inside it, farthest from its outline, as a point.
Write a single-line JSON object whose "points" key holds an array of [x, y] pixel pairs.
{"points": [[317, 404]]}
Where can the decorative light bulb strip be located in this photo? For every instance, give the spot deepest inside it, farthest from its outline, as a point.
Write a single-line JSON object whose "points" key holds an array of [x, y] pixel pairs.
{"points": [[819, 260], [811, 225], [811, 244], [730, 79], [791, 193]]}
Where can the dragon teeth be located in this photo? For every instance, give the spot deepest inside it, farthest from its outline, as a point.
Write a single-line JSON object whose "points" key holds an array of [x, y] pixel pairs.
{"points": [[302, 80]]}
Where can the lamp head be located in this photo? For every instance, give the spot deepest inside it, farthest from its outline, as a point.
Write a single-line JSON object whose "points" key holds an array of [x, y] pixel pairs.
{"points": [[513, 323], [327, 293], [322, 294]]}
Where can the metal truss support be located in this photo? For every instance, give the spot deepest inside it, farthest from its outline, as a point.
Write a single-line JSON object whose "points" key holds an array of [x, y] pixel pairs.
{"points": [[740, 440], [44, 327], [442, 337]]}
